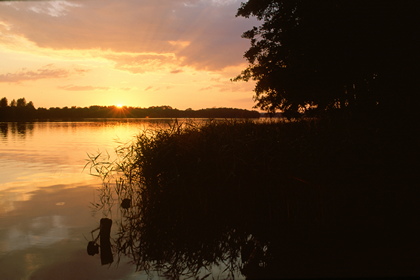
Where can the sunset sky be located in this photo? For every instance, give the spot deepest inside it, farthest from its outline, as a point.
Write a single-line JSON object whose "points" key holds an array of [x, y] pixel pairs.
{"points": [[140, 53]]}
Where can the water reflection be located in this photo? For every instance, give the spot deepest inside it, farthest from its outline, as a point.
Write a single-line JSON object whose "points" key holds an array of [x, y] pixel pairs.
{"points": [[44, 230], [45, 198], [184, 237], [4, 129], [16, 129], [51, 152]]}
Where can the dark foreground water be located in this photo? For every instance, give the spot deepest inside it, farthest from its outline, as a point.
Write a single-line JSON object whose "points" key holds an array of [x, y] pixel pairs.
{"points": [[45, 197]]}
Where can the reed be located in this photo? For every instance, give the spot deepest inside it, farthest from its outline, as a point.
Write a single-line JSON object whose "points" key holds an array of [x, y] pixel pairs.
{"points": [[241, 194]]}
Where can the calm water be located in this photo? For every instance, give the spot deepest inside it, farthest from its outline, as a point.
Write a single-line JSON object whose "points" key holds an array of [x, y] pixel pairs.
{"points": [[45, 196]]}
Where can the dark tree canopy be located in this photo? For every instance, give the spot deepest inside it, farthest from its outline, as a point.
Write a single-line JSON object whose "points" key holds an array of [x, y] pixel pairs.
{"points": [[356, 54], [3, 102], [23, 110], [21, 102]]}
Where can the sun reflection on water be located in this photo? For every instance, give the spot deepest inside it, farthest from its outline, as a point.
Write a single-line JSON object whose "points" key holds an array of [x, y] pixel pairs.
{"points": [[45, 197]]}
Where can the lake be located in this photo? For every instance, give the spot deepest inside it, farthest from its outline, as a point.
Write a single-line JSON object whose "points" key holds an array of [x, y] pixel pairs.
{"points": [[46, 216], [45, 196]]}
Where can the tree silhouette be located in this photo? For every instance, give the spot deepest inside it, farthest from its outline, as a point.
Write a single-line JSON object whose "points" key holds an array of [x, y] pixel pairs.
{"points": [[21, 102], [30, 105], [3, 102], [22, 110], [330, 54]]}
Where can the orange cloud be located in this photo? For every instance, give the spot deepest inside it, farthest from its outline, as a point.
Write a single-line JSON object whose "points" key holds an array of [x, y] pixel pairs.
{"points": [[176, 71], [46, 72], [82, 88], [141, 63]]}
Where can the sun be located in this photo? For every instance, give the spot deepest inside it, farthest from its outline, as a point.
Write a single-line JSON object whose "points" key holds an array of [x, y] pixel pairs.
{"points": [[119, 106]]}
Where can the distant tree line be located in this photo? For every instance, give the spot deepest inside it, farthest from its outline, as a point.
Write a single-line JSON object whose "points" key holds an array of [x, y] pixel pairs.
{"points": [[17, 109], [21, 110]]}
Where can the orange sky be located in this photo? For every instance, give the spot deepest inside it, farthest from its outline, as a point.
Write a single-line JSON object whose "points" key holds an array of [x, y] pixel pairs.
{"points": [[141, 53]]}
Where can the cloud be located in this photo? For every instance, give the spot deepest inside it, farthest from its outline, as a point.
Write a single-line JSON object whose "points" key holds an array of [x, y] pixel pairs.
{"points": [[53, 8], [176, 71], [202, 34], [180, 43], [141, 62], [82, 88], [46, 72], [206, 88]]}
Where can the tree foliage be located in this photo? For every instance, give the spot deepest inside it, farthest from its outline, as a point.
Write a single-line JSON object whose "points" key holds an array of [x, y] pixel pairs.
{"points": [[328, 54], [3, 102], [21, 102]]}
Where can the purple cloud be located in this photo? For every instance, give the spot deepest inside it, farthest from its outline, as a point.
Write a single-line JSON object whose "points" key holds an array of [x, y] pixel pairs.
{"points": [[202, 34]]}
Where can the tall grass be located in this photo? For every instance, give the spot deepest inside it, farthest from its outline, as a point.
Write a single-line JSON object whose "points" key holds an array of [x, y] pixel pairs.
{"points": [[243, 194]]}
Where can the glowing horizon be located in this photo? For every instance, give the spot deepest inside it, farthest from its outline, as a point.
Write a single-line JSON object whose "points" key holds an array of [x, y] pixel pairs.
{"points": [[136, 53]]}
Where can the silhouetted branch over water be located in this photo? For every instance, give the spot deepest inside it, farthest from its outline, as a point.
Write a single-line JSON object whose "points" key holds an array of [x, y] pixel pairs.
{"points": [[315, 198]]}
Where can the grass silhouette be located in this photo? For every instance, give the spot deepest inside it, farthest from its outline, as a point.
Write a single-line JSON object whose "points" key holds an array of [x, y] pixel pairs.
{"points": [[311, 198]]}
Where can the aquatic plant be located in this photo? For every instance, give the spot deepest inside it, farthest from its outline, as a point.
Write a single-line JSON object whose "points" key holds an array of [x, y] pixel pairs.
{"points": [[201, 195], [262, 199]]}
